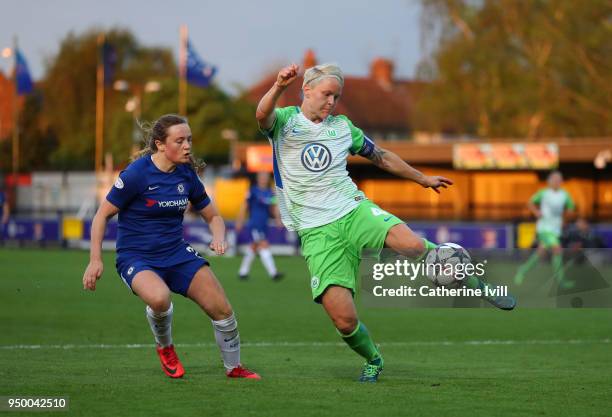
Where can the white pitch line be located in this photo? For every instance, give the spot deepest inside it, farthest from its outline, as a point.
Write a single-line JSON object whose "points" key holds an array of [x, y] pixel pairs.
{"points": [[317, 344]]}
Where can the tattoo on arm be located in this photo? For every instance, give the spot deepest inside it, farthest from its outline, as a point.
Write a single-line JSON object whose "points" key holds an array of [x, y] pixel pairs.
{"points": [[377, 156], [392, 163]]}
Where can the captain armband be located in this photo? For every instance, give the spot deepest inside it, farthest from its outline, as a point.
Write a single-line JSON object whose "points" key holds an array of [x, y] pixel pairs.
{"points": [[367, 148]]}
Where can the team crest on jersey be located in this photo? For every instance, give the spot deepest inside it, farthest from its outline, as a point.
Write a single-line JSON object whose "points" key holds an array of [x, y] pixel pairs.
{"points": [[316, 157], [181, 188], [314, 282], [119, 183], [331, 133]]}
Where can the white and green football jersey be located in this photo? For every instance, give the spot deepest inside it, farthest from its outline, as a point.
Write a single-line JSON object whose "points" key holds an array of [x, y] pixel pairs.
{"points": [[552, 205], [312, 183]]}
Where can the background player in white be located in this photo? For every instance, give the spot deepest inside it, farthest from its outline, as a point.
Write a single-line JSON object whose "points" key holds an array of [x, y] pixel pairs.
{"points": [[549, 205], [318, 199]]}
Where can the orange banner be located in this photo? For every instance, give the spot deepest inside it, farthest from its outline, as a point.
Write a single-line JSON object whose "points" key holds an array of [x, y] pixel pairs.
{"points": [[505, 156], [259, 158]]}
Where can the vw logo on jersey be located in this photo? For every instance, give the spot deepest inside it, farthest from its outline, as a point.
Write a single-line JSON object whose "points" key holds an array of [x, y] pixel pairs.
{"points": [[316, 157]]}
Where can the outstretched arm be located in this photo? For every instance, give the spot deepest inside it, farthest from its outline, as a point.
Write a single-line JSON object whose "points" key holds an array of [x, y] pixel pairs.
{"points": [[98, 227], [533, 208], [265, 109], [217, 227], [395, 165]]}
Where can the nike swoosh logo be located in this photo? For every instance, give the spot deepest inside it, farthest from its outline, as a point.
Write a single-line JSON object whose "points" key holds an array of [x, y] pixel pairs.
{"points": [[170, 370], [387, 219], [295, 131], [231, 338], [153, 188]]}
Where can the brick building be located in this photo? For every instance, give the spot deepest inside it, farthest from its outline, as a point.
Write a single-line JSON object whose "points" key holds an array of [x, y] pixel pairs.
{"points": [[380, 104]]}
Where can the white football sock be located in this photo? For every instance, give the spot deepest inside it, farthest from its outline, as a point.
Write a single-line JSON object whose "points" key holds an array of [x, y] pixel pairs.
{"points": [[161, 325], [245, 266], [268, 261], [228, 340]]}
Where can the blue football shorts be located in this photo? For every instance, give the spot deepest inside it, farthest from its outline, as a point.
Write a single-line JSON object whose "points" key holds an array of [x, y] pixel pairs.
{"points": [[178, 275]]}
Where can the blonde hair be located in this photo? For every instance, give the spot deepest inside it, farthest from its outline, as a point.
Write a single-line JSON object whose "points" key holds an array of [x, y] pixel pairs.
{"points": [[316, 74]]}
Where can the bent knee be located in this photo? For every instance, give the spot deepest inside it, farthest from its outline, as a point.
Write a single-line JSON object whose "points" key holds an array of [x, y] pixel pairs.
{"points": [[418, 246], [413, 248], [404, 241], [159, 303], [224, 311], [346, 325]]}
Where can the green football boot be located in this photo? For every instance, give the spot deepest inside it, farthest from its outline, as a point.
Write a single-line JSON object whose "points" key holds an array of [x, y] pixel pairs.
{"points": [[371, 370]]}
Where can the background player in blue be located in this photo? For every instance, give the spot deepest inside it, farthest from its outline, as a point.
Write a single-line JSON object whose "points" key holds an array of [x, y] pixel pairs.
{"points": [[151, 196], [261, 204], [4, 206]]}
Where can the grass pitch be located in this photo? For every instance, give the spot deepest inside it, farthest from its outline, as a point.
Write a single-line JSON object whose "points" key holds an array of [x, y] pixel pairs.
{"points": [[96, 349]]}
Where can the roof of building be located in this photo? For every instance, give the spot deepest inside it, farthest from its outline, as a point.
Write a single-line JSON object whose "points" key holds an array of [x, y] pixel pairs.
{"points": [[378, 103]]}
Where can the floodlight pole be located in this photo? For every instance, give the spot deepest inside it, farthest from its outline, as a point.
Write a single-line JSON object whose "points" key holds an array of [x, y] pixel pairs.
{"points": [[15, 153], [183, 71], [99, 148]]}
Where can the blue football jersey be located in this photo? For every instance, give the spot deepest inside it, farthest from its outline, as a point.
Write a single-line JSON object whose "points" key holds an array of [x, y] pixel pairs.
{"points": [[151, 205], [259, 201]]}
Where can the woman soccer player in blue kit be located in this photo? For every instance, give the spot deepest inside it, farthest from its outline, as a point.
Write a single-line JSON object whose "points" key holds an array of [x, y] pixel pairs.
{"points": [[260, 204], [151, 196]]}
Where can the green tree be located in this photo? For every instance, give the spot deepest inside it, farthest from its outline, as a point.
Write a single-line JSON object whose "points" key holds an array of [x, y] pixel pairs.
{"points": [[534, 68], [60, 131], [210, 111], [69, 90], [36, 141]]}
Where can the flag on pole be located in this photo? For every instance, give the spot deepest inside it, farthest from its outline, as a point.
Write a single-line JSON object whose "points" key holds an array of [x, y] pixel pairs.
{"points": [[23, 79], [198, 72], [109, 62]]}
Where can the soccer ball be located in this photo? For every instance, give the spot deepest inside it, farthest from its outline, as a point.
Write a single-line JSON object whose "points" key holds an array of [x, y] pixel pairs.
{"points": [[441, 264]]}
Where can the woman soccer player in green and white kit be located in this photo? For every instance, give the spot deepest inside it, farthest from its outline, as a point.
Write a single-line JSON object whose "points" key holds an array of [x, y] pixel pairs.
{"points": [[549, 205], [318, 199]]}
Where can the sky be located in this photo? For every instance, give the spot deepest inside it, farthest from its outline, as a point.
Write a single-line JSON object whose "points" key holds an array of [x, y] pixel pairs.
{"points": [[245, 39]]}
